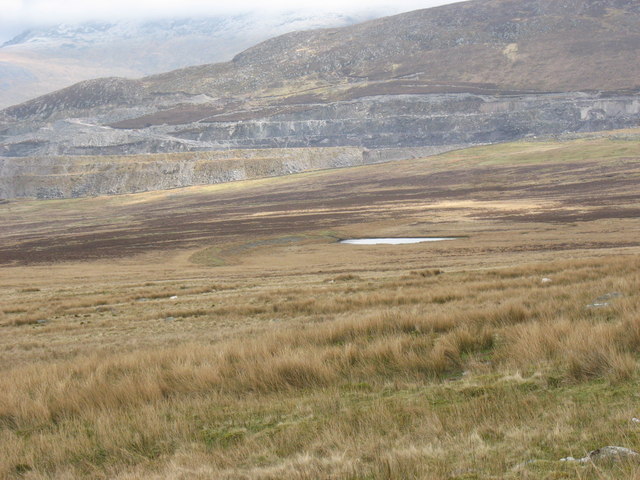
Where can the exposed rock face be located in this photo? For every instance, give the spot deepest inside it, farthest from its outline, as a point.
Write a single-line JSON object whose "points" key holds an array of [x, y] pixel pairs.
{"points": [[381, 121], [78, 176], [417, 120], [68, 177]]}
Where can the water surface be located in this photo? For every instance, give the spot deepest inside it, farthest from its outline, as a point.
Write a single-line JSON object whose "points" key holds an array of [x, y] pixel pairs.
{"points": [[394, 241]]}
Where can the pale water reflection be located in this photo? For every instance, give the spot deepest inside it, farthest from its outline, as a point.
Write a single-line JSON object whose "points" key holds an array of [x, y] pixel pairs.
{"points": [[394, 241]]}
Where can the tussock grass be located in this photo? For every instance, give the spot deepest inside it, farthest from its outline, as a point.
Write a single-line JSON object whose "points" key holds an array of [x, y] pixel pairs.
{"points": [[383, 382], [346, 277]]}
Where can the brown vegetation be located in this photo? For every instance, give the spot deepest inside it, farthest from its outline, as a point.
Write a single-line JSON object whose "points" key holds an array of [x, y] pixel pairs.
{"points": [[296, 357], [289, 397]]}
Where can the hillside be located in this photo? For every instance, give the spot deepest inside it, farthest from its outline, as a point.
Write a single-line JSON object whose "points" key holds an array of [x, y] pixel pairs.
{"points": [[542, 45], [42, 60], [222, 332], [476, 72]]}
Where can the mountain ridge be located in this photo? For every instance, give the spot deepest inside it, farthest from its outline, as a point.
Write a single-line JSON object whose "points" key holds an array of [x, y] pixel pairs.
{"points": [[42, 60], [475, 72], [334, 57], [400, 45]]}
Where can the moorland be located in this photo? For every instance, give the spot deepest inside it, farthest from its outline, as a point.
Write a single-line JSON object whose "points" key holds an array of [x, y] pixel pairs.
{"points": [[223, 332]]}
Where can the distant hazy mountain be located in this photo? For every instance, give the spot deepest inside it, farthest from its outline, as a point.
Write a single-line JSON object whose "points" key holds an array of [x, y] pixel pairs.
{"points": [[40, 61]]}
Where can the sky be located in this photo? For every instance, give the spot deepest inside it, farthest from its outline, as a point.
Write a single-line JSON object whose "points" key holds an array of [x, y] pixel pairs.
{"points": [[19, 15]]}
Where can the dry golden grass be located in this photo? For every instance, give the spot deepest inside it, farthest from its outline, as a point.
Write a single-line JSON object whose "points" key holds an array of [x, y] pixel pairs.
{"points": [[397, 386], [310, 360]]}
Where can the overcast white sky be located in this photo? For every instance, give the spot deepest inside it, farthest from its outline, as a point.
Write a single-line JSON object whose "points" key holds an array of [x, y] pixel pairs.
{"points": [[17, 15]]}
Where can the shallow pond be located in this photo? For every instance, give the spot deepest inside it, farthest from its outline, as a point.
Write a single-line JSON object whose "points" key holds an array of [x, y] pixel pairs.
{"points": [[394, 241]]}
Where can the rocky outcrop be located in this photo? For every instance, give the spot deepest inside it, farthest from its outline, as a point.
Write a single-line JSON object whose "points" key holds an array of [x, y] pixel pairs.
{"points": [[69, 177], [100, 93], [606, 454], [440, 120], [82, 176], [421, 120]]}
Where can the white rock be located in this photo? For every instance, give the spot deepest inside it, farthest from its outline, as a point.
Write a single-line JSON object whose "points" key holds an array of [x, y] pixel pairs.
{"points": [[613, 453], [610, 453], [598, 305]]}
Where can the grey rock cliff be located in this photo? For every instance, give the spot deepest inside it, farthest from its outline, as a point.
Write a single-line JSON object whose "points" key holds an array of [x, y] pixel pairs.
{"points": [[82, 176], [381, 121], [70, 177]]}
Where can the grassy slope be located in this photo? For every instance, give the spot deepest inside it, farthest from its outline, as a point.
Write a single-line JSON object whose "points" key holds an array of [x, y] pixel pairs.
{"points": [[306, 359]]}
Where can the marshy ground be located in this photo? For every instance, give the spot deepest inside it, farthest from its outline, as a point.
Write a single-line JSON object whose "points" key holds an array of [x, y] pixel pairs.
{"points": [[222, 332]]}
